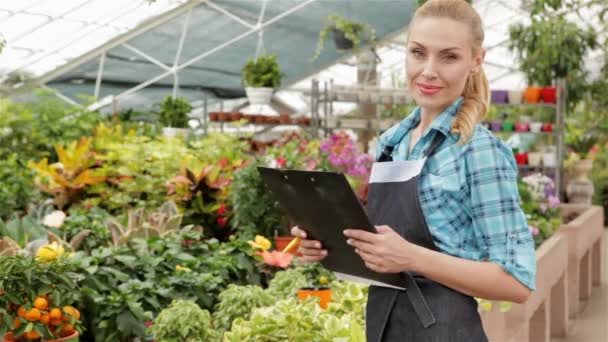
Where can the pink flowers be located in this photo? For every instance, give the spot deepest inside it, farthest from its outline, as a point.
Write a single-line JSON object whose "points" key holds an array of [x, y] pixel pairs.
{"points": [[276, 258], [553, 201], [344, 154], [534, 230]]}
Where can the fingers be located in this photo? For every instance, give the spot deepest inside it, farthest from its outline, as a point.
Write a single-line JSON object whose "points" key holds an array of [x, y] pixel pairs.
{"points": [[360, 235], [296, 231], [361, 245], [368, 257]]}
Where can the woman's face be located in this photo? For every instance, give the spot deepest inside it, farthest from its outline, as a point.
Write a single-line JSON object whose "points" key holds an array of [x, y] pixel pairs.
{"points": [[439, 60]]}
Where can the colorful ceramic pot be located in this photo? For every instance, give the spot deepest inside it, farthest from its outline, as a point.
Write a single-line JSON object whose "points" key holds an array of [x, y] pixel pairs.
{"points": [[532, 94], [521, 158], [496, 126], [549, 94], [515, 96], [324, 295], [522, 127], [547, 127], [507, 126], [500, 96], [535, 158], [214, 116], [536, 127]]}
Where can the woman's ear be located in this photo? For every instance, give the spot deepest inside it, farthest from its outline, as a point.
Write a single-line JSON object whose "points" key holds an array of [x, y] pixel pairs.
{"points": [[478, 61]]}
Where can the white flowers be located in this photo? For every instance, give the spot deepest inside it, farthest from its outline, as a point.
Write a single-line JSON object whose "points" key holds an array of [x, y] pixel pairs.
{"points": [[54, 219], [541, 186]]}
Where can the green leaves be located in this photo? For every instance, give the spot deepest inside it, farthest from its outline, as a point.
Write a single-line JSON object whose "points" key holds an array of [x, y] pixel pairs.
{"points": [[356, 32], [238, 302], [262, 72], [173, 112], [183, 321]]}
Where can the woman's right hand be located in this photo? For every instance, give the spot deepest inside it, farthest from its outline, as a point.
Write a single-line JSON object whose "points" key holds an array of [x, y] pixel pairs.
{"points": [[311, 250]]}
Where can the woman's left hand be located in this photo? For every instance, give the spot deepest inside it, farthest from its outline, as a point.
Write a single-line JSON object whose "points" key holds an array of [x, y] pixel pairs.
{"points": [[385, 251]]}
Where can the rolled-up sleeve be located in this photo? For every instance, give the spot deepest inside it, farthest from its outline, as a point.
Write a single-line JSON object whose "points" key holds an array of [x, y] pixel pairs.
{"points": [[499, 224]]}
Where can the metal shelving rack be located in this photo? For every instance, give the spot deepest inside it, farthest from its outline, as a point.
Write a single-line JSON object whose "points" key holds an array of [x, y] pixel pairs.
{"points": [[323, 96]]}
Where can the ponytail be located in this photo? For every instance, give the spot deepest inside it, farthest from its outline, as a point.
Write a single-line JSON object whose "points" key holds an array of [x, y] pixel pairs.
{"points": [[474, 107]]}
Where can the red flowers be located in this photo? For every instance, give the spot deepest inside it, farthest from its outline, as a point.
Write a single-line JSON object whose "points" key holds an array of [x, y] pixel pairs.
{"points": [[221, 210], [222, 221], [281, 162]]}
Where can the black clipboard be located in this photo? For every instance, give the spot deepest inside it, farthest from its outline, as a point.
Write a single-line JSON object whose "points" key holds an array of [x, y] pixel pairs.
{"points": [[324, 204]]}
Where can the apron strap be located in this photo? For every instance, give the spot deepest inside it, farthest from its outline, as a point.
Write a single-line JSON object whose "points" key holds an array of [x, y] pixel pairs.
{"points": [[416, 298]]}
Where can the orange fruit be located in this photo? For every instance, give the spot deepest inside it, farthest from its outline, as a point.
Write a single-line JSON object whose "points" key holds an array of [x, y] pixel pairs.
{"points": [[16, 323], [10, 337], [44, 319], [56, 322], [67, 329], [55, 313], [32, 335], [21, 312], [41, 303], [70, 312], [33, 315]]}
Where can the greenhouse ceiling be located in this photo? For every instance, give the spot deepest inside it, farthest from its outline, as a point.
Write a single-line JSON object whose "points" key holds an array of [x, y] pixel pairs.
{"points": [[136, 52]]}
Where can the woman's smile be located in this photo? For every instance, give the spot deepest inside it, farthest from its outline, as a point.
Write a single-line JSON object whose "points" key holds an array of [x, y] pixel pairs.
{"points": [[428, 89]]}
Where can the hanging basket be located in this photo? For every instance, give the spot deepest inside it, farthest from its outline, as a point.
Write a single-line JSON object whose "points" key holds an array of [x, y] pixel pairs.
{"points": [[342, 43], [259, 96]]}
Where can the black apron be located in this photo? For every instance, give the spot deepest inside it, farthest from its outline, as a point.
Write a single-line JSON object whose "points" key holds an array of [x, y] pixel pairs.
{"points": [[426, 310]]}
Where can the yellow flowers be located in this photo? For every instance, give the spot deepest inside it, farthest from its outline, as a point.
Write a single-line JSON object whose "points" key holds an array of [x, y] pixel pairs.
{"points": [[50, 251], [260, 242], [181, 268]]}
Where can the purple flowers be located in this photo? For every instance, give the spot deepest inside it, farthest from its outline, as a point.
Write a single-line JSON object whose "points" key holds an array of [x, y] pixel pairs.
{"points": [[343, 154], [553, 201], [534, 230]]}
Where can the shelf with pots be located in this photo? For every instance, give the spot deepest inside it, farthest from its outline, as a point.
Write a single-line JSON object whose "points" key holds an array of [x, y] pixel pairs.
{"points": [[534, 96], [258, 119], [497, 126]]}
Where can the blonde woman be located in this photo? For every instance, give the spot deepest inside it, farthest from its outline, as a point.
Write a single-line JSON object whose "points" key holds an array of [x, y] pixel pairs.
{"points": [[443, 195]]}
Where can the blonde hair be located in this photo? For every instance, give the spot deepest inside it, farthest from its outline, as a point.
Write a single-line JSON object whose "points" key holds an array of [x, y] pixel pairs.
{"points": [[476, 91]]}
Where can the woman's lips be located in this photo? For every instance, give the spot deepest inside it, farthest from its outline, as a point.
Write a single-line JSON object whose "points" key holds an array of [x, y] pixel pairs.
{"points": [[428, 89]]}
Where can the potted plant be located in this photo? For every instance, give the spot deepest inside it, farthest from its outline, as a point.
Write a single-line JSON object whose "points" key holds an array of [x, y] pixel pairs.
{"points": [[37, 298], [173, 115], [318, 279], [182, 320], [348, 34], [580, 139], [261, 76]]}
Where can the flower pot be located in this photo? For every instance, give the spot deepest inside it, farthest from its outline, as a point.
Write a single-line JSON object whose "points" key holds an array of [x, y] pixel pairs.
{"points": [[249, 118], [259, 119], [507, 126], [342, 43], [224, 116], [71, 338], [549, 94], [515, 96], [236, 116], [521, 158], [496, 126], [303, 120], [535, 158], [285, 119], [324, 295], [499, 96], [536, 127], [214, 116], [281, 242], [522, 127], [547, 127], [580, 188], [532, 94], [549, 159], [259, 96]]}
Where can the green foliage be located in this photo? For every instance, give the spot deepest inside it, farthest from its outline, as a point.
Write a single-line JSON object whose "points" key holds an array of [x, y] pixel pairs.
{"points": [[255, 209], [348, 298], [316, 275], [238, 302], [173, 112], [262, 72], [542, 212], [290, 320], [355, 31], [125, 285], [17, 188], [81, 220], [183, 321], [552, 46], [23, 235], [599, 176], [23, 278], [286, 284], [34, 128]]}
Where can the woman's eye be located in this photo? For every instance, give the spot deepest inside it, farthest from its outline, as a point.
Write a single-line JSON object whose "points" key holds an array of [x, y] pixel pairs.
{"points": [[450, 57], [417, 52]]}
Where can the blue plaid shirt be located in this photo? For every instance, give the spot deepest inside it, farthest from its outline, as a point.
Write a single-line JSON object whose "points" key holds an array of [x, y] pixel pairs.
{"points": [[469, 197]]}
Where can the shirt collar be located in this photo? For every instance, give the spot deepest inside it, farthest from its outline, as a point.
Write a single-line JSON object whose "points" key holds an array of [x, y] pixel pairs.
{"points": [[442, 123]]}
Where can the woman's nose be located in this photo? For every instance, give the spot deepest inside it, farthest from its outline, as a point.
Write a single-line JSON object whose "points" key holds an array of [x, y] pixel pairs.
{"points": [[429, 71]]}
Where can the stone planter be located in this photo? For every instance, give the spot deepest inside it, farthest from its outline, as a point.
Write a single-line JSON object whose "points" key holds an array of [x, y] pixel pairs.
{"points": [[580, 188], [546, 311], [259, 96], [585, 242]]}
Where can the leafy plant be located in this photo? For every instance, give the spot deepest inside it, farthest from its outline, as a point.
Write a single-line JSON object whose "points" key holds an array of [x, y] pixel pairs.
{"points": [[173, 112], [354, 31], [286, 284], [166, 220], [316, 275], [238, 302], [183, 321], [24, 235], [17, 188], [37, 297], [262, 72], [541, 206], [599, 176], [255, 209], [67, 179]]}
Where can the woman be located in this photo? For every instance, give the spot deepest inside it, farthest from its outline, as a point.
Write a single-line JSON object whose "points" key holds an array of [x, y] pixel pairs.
{"points": [[443, 195]]}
